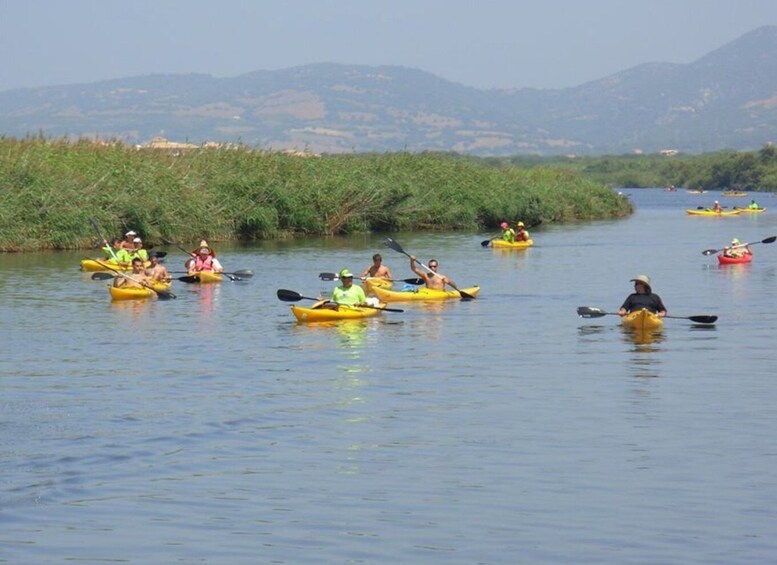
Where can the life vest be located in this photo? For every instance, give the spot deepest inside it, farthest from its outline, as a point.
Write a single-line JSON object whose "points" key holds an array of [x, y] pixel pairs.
{"points": [[201, 264]]}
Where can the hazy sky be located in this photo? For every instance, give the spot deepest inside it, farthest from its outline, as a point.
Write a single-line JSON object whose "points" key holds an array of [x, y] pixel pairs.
{"points": [[483, 43]]}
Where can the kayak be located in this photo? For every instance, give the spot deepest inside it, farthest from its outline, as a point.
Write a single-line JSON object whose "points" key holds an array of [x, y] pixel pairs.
{"points": [[135, 292], [750, 210], [696, 191], [708, 212], [502, 244], [642, 320], [421, 293], [92, 265], [733, 193], [726, 260], [310, 315], [207, 277], [371, 282]]}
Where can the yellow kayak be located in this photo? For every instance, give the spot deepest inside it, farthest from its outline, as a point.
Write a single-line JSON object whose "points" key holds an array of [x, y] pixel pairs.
{"points": [[372, 282], [642, 320], [93, 265], [135, 292], [309, 315], [421, 293], [207, 277], [708, 212], [733, 193], [502, 244], [750, 210]]}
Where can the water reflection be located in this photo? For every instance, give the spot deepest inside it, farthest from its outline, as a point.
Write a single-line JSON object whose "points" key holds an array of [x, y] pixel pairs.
{"points": [[645, 360]]}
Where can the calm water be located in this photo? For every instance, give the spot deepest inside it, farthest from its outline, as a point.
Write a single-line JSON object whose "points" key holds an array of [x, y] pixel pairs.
{"points": [[213, 429]]}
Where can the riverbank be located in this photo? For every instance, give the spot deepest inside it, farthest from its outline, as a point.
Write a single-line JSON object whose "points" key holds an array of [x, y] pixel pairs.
{"points": [[50, 189]]}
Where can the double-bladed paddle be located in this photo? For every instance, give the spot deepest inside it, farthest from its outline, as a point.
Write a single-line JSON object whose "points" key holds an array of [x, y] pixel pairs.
{"points": [[771, 239], [236, 276], [396, 247], [591, 312], [335, 277], [291, 296], [162, 294]]}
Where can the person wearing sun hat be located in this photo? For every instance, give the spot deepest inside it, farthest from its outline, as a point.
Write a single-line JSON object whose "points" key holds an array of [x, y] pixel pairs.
{"points": [[127, 242], [642, 297], [508, 234], [203, 259], [138, 251]]}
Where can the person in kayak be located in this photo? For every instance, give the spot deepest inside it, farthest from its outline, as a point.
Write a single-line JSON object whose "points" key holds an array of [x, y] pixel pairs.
{"points": [[642, 297], [156, 271], [377, 269], [521, 234], [433, 280], [736, 249], [203, 259], [137, 250], [345, 294], [754, 205], [508, 234], [139, 278], [117, 251], [128, 243], [717, 207]]}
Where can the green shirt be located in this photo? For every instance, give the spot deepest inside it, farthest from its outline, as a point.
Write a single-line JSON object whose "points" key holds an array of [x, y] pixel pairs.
{"points": [[349, 296]]}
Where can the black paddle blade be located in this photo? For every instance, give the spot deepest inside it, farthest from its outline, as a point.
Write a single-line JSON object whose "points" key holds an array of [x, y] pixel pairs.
{"points": [[98, 276], [701, 319], [485, 242], [394, 245], [245, 274], [589, 312], [163, 294], [289, 295], [327, 276], [709, 251], [189, 279], [416, 282], [769, 239]]}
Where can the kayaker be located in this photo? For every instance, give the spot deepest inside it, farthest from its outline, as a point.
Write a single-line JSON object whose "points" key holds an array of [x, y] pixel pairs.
{"points": [[128, 242], [139, 278], [736, 249], [754, 205], [717, 207], [137, 250], [156, 271], [345, 294], [508, 234], [521, 234], [433, 280], [116, 251], [642, 297], [203, 259], [377, 269]]}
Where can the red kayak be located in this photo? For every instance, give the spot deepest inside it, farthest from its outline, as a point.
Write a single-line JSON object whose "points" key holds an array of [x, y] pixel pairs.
{"points": [[725, 260]]}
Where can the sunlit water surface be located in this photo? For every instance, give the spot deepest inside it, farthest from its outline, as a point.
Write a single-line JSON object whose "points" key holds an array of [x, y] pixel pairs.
{"points": [[214, 429]]}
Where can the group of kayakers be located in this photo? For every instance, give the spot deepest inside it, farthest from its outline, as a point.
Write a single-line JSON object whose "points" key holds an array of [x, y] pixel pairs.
{"points": [[511, 235], [126, 249], [146, 268]]}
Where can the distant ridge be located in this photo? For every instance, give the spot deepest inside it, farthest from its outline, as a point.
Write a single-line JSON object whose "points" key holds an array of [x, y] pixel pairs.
{"points": [[725, 100]]}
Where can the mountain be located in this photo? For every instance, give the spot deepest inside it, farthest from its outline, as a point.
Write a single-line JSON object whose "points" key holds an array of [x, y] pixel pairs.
{"points": [[726, 99]]}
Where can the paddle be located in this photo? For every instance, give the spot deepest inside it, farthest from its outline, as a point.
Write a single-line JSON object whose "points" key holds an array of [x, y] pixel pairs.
{"points": [[487, 242], [767, 240], [236, 276], [105, 241], [162, 294], [291, 296], [590, 312], [334, 277], [396, 247]]}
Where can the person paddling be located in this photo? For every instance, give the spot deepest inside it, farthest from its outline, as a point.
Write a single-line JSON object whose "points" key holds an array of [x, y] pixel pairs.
{"points": [[736, 249], [203, 259], [156, 271], [508, 234], [377, 270], [642, 297], [521, 234], [345, 294], [139, 278], [433, 280]]}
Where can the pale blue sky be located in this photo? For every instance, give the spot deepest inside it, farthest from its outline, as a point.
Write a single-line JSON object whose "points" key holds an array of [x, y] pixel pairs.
{"points": [[484, 43]]}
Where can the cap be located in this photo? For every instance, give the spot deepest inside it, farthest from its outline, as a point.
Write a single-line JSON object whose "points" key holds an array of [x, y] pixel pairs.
{"points": [[519, 224], [345, 273], [130, 233], [716, 202], [504, 225], [735, 241], [137, 240]]}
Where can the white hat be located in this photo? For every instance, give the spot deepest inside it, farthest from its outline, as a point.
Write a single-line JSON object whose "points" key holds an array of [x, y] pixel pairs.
{"points": [[644, 279], [131, 233], [137, 240]]}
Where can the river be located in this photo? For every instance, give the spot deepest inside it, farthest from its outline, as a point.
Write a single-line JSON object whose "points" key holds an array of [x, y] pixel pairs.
{"points": [[214, 429]]}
